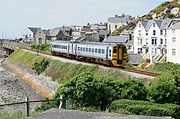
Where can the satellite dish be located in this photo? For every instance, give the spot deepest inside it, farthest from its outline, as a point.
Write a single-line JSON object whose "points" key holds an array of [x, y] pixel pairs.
{"points": [[175, 10]]}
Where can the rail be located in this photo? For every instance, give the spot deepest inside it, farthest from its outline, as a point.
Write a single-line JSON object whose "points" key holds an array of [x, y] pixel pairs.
{"points": [[125, 69]]}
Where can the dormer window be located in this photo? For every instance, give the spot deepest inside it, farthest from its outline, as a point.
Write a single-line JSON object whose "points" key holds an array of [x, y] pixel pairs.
{"points": [[139, 25], [154, 25]]}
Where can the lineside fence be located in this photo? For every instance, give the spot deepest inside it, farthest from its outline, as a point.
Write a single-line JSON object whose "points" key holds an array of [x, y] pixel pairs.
{"points": [[27, 103]]}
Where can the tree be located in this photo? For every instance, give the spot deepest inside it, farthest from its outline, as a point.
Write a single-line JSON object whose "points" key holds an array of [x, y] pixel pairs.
{"points": [[162, 91], [86, 91]]}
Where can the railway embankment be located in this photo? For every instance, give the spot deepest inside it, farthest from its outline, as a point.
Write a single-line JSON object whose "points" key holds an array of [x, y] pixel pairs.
{"points": [[13, 89], [62, 70]]}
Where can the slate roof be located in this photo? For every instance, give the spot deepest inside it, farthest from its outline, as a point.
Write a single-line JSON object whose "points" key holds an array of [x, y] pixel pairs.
{"points": [[165, 23], [117, 20], [161, 23], [130, 42], [74, 114], [54, 32], [46, 32], [116, 39], [135, 59], [34, 29], [144, 23], [175, 26], [103, 32]]}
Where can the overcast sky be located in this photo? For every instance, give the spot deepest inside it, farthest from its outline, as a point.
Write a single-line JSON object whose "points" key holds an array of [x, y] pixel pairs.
{"points": [[17, 15]]}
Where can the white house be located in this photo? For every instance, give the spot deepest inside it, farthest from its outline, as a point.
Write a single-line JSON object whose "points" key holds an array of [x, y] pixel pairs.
{"points": [[150, 37], [117, 21], [28, 34], [173, 43]]}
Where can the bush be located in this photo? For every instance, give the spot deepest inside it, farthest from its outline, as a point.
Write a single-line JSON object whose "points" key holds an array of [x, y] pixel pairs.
{"points": [[43, 47], [86, 91], [166, 89], [145, 108], [40, 67]]}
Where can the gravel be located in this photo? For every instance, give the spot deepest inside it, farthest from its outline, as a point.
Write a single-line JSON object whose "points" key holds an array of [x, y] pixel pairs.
{"points": [[12, 90]]}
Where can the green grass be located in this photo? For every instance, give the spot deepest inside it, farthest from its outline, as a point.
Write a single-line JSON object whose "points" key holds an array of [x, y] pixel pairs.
{"points": [[61, 71]]}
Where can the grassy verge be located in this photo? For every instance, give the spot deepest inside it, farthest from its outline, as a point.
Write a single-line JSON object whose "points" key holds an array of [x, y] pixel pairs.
{"points": [[61, 71]]}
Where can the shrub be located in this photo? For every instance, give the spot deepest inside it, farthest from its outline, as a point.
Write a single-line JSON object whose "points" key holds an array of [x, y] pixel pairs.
{"points": [[87, 91], [166, 89], [40, 67], [145, 108]]}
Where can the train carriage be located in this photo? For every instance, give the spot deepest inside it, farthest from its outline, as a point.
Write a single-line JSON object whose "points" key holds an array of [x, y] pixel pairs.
{"points": [[104, 53]]}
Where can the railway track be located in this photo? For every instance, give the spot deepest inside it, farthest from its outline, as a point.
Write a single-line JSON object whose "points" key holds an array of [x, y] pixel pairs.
{"points": [[124, 69]]}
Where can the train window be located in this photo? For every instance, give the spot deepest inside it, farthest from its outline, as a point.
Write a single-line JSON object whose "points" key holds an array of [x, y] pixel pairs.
{"points": [[103, 51], [92, 50], [83, 49], [109, 53], [89, 49], [86, 49], [95, 50], [114, 50], [99, 50]]}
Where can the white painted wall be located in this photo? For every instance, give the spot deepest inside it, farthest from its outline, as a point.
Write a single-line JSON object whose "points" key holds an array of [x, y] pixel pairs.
{"points": [[111, 26], [139, 33], [171, 45]]}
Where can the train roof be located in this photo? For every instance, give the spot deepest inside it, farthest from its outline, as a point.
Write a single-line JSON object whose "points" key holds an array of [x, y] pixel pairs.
{"points": [[90, 43]]}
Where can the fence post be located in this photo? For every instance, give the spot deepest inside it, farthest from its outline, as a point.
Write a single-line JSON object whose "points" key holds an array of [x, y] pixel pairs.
{"points": [[27, 106]]}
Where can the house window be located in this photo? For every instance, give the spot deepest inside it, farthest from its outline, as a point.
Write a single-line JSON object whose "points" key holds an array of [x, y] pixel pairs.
{"points": [[154, 25], [173, 41], [146, 33], [139, 25], [139, 32], [129, 47], [146, 40], [139, 50], [161, 32], [173, 31], [103, 51], [154, 41], [154, 32], [115, 26], [161, 41], [165, 41], [173, 52], [86, 49], [139, 41]]}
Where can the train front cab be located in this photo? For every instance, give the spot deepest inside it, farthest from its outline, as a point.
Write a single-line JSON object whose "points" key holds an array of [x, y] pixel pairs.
{"points": [[119, 55]]}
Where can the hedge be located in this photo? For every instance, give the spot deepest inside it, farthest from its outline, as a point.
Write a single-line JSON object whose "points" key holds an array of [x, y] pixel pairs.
{"points": [[145, 108]]}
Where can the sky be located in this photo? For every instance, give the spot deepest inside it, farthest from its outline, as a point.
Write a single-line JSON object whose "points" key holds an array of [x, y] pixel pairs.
{"points": [[17, 15]]}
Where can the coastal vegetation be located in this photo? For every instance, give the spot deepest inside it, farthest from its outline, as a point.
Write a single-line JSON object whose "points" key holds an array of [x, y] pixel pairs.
{"points": [[43, 47], [95, 89]]}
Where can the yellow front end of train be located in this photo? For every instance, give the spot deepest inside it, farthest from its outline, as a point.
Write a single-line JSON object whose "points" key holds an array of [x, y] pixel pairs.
{"points": [[119, 55]]}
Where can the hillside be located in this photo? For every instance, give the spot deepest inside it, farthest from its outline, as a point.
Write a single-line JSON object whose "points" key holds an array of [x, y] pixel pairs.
{"points": [[165, 10]]}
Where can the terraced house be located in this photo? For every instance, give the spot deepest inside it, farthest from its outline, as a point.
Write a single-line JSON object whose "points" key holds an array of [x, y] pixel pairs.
{"points": [[150, 37], [173, 43]]}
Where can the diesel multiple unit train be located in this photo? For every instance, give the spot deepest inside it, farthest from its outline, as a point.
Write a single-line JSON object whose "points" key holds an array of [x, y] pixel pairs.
{"points": [[110, 54]]}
